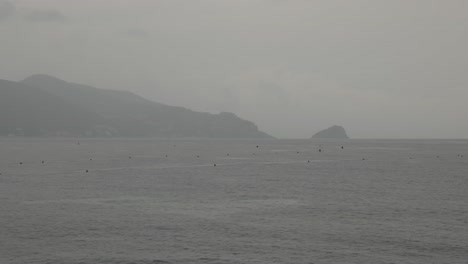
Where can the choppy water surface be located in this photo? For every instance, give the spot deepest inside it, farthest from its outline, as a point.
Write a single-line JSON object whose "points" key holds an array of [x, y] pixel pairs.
{"points": [[281, 202]]}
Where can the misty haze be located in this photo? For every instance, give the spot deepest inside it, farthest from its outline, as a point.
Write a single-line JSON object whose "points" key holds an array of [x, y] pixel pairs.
{"points": [[233, 131]]}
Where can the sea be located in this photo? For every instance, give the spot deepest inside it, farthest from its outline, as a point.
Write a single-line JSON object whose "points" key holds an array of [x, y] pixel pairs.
{"points": [[142, 201]]}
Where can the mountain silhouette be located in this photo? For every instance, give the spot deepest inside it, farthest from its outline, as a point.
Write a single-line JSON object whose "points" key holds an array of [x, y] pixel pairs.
{"points": [[44, 105]]}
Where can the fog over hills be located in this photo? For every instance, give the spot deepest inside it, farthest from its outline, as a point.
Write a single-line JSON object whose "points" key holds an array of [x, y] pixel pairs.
{"points": [[42, 105], [382, 69]]}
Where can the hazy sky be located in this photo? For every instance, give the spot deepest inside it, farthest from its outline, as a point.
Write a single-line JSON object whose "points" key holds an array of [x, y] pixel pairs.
{"points": [[380, 68]]}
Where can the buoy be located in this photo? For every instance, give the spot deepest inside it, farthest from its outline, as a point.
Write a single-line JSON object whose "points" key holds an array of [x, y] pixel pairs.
{"points": [[21, 162], [320, 150], [86, 171], [363, 159], [342, 147], [215, 164], [257, 146], [42, 162], [308, 161], [90, 159]]}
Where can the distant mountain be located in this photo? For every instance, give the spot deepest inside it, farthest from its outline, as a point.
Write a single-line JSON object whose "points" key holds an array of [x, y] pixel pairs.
{"points": [[332, 132], [44, 105], [28, 111]]}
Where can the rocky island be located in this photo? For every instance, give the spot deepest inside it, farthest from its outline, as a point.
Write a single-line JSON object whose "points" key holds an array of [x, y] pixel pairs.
{"points": [[333, 132]]}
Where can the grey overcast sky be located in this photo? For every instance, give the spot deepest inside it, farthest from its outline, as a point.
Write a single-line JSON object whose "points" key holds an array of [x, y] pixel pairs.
{"points": [[380, 68]]}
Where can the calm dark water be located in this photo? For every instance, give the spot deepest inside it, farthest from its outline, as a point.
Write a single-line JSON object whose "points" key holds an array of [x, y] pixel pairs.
{"points": [[374, 201]]}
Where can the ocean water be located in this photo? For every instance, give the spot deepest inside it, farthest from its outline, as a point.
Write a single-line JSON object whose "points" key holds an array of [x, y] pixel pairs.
{"points": [[165, 201]]}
